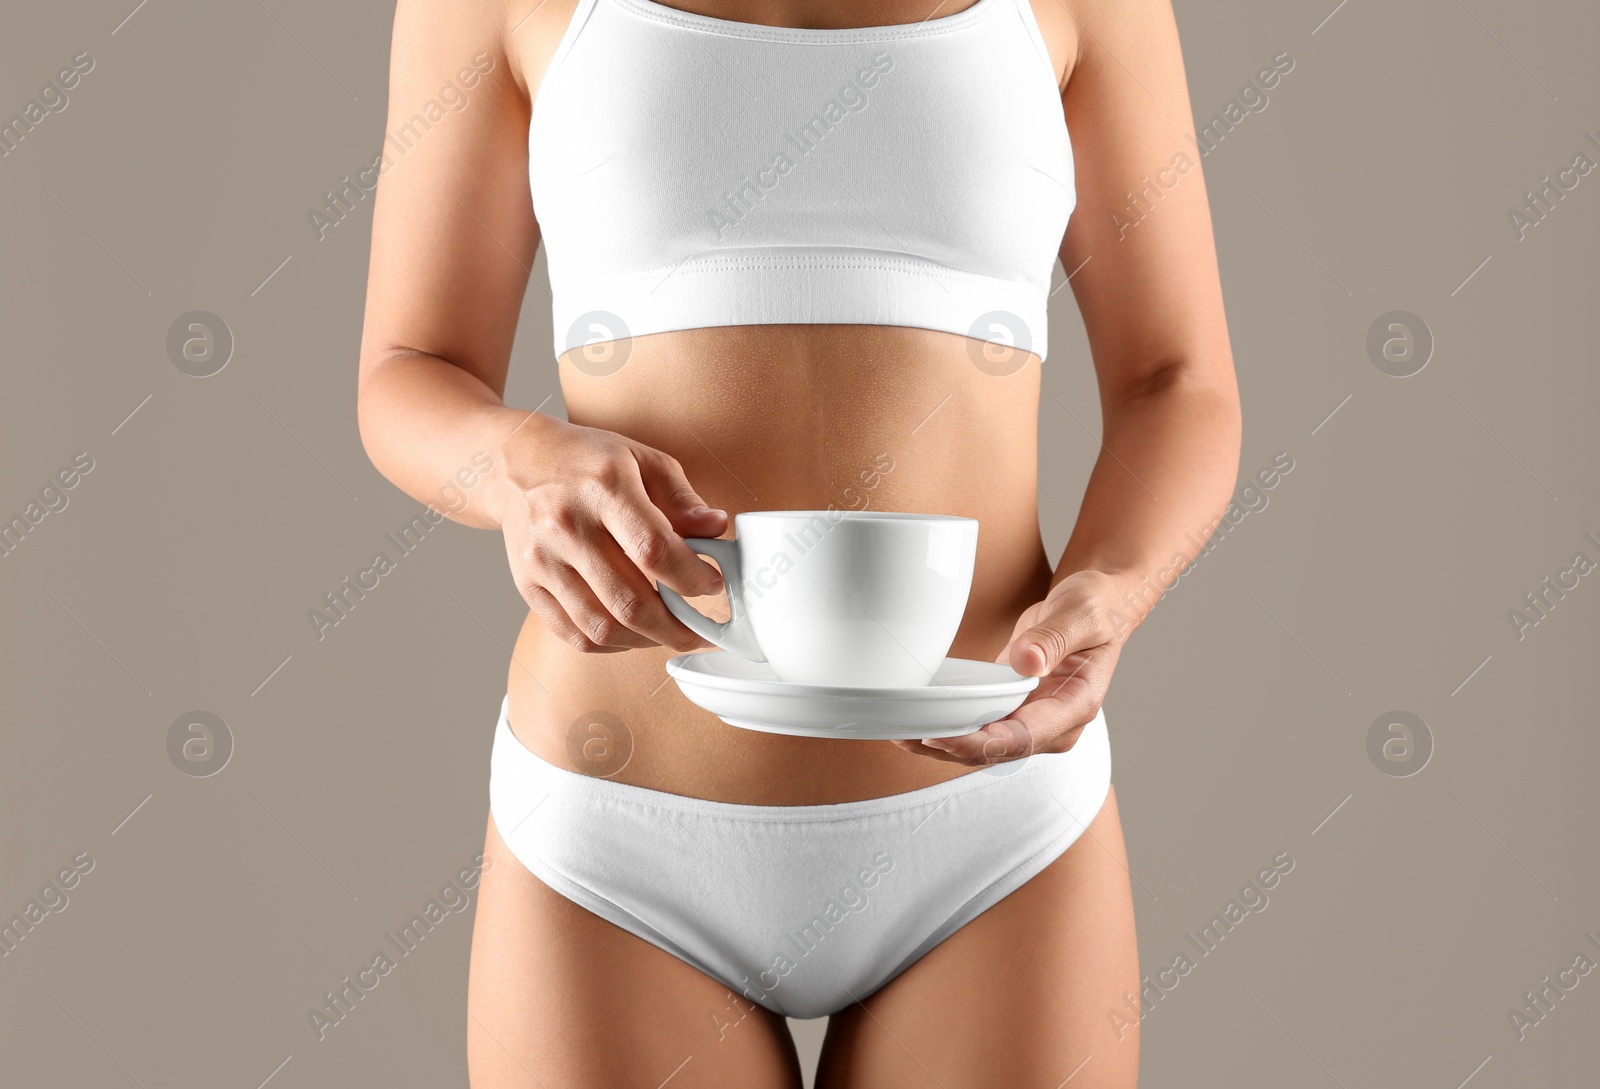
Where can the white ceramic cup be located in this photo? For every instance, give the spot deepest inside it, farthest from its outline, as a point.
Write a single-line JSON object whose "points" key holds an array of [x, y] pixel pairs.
{"points": [[860, 599]]}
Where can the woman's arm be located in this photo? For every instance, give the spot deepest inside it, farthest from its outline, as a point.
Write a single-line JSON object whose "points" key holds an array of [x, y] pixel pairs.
{"points": [[1151, 298], [589, 516], [1144, 271], [453, 238]]}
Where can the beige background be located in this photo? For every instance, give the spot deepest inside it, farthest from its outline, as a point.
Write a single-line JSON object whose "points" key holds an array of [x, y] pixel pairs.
{"points": [[1377, 579]]}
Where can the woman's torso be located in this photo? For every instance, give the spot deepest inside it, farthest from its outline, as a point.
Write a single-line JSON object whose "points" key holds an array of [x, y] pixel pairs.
{"points": [[766, 417]]}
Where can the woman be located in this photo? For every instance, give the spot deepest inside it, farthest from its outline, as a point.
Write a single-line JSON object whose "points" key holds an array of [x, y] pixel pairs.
{"points": [[799, 255]]}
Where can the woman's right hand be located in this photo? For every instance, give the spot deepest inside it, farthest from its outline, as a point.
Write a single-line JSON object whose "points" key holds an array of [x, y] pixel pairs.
{"points": [[590, 518]]}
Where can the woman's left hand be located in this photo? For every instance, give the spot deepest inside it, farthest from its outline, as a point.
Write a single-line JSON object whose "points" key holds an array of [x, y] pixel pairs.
{"points": [[1071, 641]]}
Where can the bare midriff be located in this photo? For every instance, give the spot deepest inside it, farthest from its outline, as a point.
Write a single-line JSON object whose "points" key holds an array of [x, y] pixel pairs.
{"points": [[782, 418]]}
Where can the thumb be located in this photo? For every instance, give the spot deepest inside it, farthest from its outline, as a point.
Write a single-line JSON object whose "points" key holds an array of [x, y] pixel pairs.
{"points": [[1039, 649]]}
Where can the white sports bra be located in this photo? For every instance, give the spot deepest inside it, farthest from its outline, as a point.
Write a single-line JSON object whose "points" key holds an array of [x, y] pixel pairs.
{"points": [[690, 172]]}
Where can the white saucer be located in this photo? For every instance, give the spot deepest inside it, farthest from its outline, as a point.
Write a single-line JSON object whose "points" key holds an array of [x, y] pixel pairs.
{"points": [[963, 696]]}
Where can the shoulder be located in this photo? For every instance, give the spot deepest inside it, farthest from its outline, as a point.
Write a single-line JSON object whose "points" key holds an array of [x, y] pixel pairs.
{"points": [[454, 39], [1105, 34]]}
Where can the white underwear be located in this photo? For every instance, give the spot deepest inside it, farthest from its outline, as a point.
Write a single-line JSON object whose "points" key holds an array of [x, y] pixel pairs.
{"points": [[804, 910]]}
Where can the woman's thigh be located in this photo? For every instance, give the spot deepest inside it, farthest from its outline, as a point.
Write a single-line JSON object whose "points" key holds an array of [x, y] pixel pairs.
{"points": [[561, 997], [1020, 996]]}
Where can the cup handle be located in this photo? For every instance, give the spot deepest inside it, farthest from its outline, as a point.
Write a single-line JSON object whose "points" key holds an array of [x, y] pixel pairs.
{"points": [[734, 635]]}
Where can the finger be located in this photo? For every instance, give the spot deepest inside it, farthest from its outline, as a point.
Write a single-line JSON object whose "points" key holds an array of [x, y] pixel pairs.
{"points": [[1072, 682], [591, 618], [548, 609], [670, 492], [1007, 739], [1052, 718], [648, 539], [628, 597], [919, 749], [1057, 728]]}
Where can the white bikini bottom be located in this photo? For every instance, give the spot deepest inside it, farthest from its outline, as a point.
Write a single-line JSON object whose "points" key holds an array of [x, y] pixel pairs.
{"points": [[801, 909]]}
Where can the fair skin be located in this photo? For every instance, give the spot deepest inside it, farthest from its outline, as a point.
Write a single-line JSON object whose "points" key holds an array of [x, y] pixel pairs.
{"points": [[594, 510]]}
